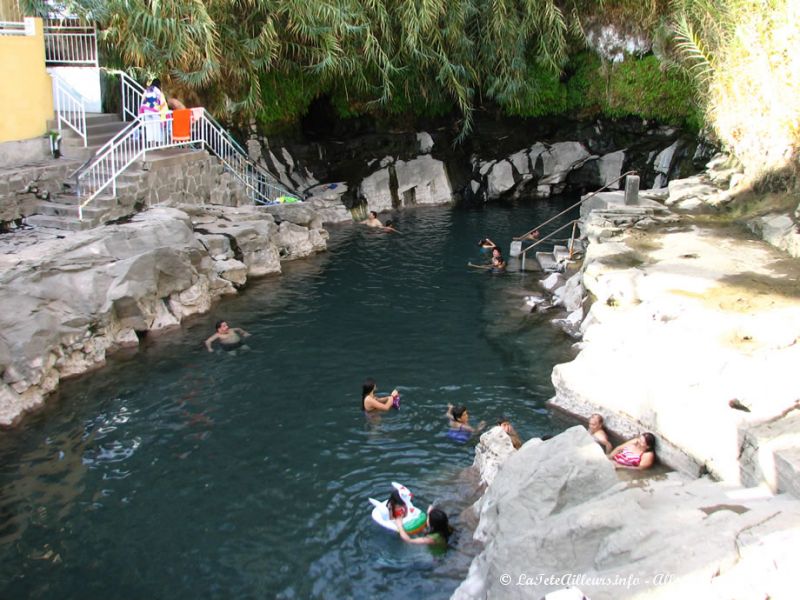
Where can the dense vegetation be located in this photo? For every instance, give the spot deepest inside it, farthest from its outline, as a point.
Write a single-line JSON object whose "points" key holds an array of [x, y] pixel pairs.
{"points": [[730, 66]]}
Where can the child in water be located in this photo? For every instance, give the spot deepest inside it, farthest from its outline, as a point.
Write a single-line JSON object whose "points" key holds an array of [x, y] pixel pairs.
{"points": [[438, 532], [397, 508]]}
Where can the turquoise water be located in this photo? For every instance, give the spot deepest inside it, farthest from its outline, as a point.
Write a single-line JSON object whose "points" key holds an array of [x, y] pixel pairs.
{"points": [[175, 473]]}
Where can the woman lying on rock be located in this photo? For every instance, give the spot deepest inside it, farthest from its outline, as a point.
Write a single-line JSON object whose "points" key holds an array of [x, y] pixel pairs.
{"points": [[638, 453]]}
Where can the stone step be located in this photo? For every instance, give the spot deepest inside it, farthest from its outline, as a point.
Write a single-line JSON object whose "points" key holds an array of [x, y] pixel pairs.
{"points": [[547, 262], [93, 212], [91, 119], [62, 223]]}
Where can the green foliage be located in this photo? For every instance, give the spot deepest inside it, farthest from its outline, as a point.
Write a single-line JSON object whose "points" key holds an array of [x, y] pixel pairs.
{"points": [[643, 88], [541, 94], [585, 84], [285, 97]]}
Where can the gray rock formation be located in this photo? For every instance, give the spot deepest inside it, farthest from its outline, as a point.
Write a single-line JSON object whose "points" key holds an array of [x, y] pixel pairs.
{"points": [[81, 296], [422, 180], [557, 515], [688, 326]]}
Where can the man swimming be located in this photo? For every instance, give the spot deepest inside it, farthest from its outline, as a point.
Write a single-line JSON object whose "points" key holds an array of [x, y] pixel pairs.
{"points": [[229, 338], [372, 220]]}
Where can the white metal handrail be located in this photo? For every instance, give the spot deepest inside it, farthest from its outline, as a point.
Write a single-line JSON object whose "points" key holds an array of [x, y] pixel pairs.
{"points": [[132, 94], [221, 143], [70, 107], [152, 132], [70, 44], [12, 28]]}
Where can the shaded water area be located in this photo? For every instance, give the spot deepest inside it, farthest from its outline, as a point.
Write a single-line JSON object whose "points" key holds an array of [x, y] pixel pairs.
{"points": [[178, 473]]}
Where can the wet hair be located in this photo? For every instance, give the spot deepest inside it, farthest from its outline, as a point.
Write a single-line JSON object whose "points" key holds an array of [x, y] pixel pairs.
{"points": [[388, 224], [373, 214], [499, 252], [457, 412], [369, 386], [219, 324], [439, 523], [395, 500], [650, 440]]}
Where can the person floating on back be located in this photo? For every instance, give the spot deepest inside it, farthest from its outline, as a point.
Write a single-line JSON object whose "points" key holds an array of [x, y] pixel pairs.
{"points": [[228, 338]]}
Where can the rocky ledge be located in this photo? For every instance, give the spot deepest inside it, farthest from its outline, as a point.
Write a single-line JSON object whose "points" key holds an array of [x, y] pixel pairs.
{"points": [[692, 333], [557, 515], [73, 298]]}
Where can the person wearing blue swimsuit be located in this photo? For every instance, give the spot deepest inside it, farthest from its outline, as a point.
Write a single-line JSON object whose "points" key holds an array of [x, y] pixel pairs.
{"points": [[460, 429]]}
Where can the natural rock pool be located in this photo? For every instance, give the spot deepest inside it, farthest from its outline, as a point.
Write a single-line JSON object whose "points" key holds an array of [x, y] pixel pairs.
{"points": [[183, 474]]}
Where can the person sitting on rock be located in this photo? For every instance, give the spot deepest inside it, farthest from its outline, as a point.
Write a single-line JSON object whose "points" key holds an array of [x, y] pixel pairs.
{"points": [[372, 220], [506, 426], [460, 429], [438, 532], [638, 453], [228, 338], [597, 431], [370, 402]]}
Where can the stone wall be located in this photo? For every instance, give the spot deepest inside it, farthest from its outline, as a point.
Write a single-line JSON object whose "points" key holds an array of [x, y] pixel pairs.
{"points": [[22, 187]]}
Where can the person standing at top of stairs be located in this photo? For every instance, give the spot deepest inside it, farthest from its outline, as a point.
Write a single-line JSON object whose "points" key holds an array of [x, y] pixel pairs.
{"points": [[153, 110]]}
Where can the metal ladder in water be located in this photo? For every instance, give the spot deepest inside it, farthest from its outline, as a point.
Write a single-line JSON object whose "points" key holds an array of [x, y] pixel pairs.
{"points": [[560, 256]]}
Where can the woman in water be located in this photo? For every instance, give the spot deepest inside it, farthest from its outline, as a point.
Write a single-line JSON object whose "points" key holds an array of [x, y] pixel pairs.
{"points": [[638, 453], [460, 429], [438, 533], [370, 402], [498, 264]]}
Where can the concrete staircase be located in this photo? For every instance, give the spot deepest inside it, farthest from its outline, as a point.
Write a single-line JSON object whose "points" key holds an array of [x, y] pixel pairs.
{"points": [[558, 260], [60, 211], [100, 127]]}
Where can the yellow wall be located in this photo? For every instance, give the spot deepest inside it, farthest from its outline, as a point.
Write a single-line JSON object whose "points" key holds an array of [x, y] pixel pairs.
{"points": [[26, 95]]}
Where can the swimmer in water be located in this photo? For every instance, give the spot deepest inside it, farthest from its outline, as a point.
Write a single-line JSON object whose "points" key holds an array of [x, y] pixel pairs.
{"points": [[370, 402], [438, 532], [498, 264], [388, 227], [372, 220], [228, 338], [459, 419]]}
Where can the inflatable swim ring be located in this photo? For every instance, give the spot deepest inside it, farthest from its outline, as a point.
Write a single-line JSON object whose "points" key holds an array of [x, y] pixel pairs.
{"points": [[414, 521]]}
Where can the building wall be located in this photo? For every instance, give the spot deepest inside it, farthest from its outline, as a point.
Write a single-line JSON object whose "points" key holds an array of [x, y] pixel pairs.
{"points": [[26, 97]]}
